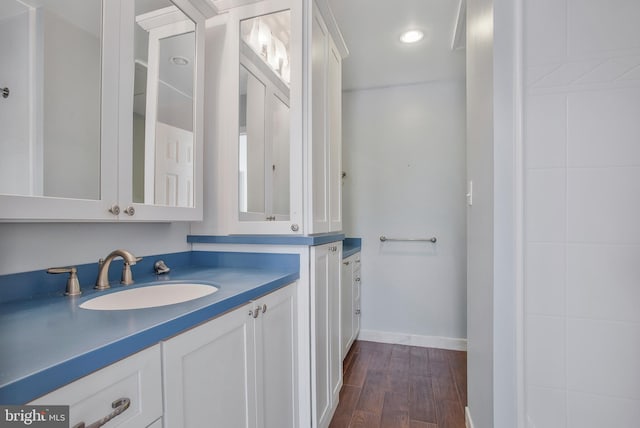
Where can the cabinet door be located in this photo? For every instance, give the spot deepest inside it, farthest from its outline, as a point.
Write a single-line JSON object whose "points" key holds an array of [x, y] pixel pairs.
{"points": [[137, 378], [326, 129], [335, 336], [334, 137], [346, 305], [160, 142], [209, 374], [319, 154], [320, 334], [357, 290], [326, 334], [58, 155], [276, 356]]}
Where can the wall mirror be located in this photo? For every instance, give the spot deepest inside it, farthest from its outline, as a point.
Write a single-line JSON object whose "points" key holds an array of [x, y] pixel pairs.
{"points": [[264, 117], [163, 105], [50, 98]]}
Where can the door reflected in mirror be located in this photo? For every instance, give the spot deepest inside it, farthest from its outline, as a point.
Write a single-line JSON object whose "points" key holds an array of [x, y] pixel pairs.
{"points": [[50, 117], [163, 114], [264, 118]]}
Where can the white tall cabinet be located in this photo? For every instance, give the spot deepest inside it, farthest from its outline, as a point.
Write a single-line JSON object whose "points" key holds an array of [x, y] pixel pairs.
{"points": [[315, 177], [238, 370], [325, 323], [315, 132]]}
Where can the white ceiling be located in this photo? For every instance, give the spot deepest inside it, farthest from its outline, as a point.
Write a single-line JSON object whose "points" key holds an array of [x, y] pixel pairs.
{"points": [[371, 30]]}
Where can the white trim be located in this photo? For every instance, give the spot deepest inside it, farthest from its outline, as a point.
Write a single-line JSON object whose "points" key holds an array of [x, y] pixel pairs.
{"points": [[451, 343], [332, 27], [468, 422]]}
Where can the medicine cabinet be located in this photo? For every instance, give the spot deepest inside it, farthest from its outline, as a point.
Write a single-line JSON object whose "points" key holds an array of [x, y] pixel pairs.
{"points": [[78, 143]]}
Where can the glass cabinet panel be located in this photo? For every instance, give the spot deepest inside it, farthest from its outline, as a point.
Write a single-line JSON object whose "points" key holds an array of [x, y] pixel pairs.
{"points": [[50, 108], [163, 105], [264, 117]]}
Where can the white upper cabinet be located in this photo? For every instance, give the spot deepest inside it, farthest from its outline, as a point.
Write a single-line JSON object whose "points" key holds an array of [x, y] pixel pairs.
{"points": [[80, 143], [325, 140], [274, 128], [261, 89]]}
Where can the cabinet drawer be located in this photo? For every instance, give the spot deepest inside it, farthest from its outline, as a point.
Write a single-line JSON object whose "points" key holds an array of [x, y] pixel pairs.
{"points": [[90, 398]]}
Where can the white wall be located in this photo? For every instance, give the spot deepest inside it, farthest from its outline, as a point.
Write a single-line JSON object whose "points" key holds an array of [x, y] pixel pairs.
{"points": [[582, 270], [26, 247], [404, 155], [15, 149]]}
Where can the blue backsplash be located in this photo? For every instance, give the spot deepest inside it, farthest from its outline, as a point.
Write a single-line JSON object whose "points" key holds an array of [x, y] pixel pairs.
{"points": [[34, 284]]}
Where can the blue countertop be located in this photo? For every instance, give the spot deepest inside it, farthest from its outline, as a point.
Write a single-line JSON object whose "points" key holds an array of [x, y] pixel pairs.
{"points": [[48, 341], [311, 240], [351, 246]]}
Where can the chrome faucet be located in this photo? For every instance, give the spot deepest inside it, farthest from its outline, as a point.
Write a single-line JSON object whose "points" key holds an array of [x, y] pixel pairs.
{"points": [[102, 283]]}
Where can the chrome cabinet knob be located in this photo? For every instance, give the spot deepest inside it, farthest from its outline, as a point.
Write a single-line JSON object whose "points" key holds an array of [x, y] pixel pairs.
{"points": [[114, 209], [130, 211]]}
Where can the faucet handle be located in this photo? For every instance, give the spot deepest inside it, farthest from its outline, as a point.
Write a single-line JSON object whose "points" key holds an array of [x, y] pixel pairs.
{"points": [[161, 267], [73, 285], [127, 276]]}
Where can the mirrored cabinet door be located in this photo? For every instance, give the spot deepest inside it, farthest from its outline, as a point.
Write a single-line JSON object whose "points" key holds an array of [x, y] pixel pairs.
{"points": [[163, 110], [77, 144], [58, 104], [267, 43]]}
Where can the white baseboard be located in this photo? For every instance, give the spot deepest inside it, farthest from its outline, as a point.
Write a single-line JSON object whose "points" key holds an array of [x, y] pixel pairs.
{"points": [[467, 418], [414, 340]]}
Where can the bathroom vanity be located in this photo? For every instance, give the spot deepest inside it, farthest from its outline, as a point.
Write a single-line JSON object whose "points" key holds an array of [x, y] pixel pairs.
{"points": [[93, 358]]}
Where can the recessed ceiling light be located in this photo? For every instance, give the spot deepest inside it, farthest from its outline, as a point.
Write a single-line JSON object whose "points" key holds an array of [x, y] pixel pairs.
{"points": [[179, 60], [411, 36]]}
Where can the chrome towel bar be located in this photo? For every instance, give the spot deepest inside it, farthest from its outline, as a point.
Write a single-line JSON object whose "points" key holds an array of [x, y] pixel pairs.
{"points": [[432, 239]]}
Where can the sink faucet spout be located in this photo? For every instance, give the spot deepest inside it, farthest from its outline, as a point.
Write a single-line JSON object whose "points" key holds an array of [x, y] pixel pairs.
{"points": [[102, 283]]}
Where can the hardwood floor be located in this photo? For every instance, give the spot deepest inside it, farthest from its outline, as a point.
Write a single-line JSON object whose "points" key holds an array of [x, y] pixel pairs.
{"points": [[398, 386]]}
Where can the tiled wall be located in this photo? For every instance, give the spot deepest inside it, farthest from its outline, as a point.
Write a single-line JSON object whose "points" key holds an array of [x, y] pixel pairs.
{"points": [[582, 208]]}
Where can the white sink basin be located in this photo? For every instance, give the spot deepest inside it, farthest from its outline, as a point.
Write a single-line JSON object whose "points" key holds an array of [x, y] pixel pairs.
{"points": [[149, 297]]}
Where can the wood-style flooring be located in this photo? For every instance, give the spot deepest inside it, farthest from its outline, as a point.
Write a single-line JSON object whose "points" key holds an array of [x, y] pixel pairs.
{"points": [[399, 386]]}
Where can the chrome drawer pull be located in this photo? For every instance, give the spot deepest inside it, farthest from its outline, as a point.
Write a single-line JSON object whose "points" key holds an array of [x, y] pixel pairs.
{"points": [[255, 312], [120, 405]]}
